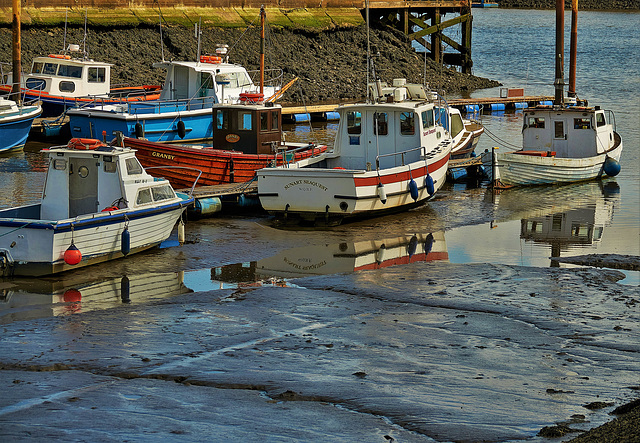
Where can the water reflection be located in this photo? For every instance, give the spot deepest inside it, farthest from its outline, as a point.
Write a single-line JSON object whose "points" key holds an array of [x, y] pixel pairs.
{"points": [[28, 299], [345, 257]]}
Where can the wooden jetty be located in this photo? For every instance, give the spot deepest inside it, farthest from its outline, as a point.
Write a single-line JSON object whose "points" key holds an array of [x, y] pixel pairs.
{"points": [[292, 114]]}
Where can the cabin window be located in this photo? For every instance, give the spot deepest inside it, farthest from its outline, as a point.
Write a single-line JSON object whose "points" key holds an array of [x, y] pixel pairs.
{"points": [[206, 83], [222, 119], [133, 166], [264, 121], [37, 68], [274, 121], [144, 196], [96, 75], [582, 123], [59, 164], [600, 121], [558, 127], [50, 68], [456, 125], [70, 71], [162, 193], [238, 79], [67, 86], [536, 122], [37, 84], [407, 123], [427, 119], [244, 121], [354, 122], [380, 123], [109, 167]]}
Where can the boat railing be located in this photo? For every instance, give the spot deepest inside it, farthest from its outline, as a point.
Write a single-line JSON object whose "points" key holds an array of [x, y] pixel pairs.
{"points": [[25, 100], [181, 167], [611, 118], [402, 155], [288, 153], [273, 77]]}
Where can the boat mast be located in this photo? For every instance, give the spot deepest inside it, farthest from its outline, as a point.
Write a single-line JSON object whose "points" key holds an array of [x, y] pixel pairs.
{"points": [[17, 63], [573, 48], [559, 81], [368, 51], [262, 14]]}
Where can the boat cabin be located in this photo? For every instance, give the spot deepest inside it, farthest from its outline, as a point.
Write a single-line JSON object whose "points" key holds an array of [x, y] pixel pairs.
{"points": [[385, 135], [249, 128], [570, 132], [88, 177], [209, 77], [67, 76]]}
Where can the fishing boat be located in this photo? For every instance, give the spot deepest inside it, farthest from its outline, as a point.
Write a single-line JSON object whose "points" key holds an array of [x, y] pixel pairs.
{"points": [[70, 79], [568, 141], [245, 137], [183, 110], [15, 123], [98, 204], [389, 154]]}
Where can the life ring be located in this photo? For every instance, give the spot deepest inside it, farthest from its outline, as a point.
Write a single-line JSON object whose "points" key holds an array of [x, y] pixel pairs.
{"points": [[110, 208], [66, 57], [251, 97], [84, 143], [210, 59]]}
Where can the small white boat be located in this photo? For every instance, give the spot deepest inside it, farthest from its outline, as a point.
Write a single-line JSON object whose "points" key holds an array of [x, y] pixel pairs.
{"points": [[98, 204], [15, 123], [566, 142], [560, 145], [388, 156]]}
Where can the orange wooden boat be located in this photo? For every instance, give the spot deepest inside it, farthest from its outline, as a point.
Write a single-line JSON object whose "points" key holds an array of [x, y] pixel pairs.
{"points": [[246, 137]]}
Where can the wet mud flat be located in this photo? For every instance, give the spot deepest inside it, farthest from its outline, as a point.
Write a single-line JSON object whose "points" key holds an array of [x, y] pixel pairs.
{"points": [[427, 351]]}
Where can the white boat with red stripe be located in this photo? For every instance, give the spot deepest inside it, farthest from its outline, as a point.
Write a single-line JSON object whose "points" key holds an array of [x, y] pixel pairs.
{"points": [[389, 155]]}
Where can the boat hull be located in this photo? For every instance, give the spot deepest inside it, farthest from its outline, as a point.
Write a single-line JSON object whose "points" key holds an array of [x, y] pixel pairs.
{"points": [[15, 128], [33, 247], [332, 195], [158, 122], [525, 170], [217, 166]]}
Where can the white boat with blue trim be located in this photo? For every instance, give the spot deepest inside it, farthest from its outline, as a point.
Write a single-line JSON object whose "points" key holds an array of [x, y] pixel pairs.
{"points": [[98, 204], [15, 123]]}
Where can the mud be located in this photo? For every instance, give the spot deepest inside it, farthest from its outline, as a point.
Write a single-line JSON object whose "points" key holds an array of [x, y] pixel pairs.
{"points": [[330, 65]]}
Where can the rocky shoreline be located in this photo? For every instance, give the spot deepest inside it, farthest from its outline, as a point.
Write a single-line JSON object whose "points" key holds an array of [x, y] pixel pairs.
{"points": [[330, 64]]}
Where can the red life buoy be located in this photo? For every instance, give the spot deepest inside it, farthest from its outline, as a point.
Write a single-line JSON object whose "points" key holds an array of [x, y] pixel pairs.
{"points": [[251, 97], [110, 208], [85, 143]]}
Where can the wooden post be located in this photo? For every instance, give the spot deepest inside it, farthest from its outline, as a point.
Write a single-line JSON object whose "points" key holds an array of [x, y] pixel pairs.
{"points": [[573, 51], [15, 89], [559, 81], [467, 27], [436, 40]]}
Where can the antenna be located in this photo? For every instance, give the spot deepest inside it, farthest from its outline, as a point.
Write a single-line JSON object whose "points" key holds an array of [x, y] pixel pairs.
{"points": [[198, 34], [84, 41], [64, 39], [161, 39]]}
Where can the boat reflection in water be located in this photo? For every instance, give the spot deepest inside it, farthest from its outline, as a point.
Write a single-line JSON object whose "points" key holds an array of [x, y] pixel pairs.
{"points": [[335, 259], [564, 217], [28, 299]]}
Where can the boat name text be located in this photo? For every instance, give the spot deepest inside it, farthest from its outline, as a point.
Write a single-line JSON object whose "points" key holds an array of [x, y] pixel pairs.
{"points": [[305, 182], [162, 155], [304, 268], [431, 131]]}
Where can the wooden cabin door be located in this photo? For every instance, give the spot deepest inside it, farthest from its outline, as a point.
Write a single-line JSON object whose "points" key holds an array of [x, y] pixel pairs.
{"points": [[83, 186]]}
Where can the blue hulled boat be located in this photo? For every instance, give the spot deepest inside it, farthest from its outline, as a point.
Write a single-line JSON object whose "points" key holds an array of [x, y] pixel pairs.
{"points": [[15, 123], [183, 111]]}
